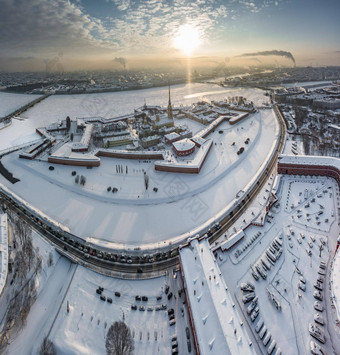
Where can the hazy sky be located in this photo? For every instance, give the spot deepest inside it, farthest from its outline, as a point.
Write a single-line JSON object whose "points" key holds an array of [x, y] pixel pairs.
{"points": [[92, 33]]}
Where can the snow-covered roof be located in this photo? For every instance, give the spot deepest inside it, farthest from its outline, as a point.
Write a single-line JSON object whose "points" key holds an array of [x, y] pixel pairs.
{"points": [[309, 160], [184, 144], [171, 136], [85, 139], [218, 326]]}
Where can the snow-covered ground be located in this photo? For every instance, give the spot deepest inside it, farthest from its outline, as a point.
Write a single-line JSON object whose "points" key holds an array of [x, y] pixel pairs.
{"points": [[58, 107], [83, 329], [136, 216], [300, 237]]}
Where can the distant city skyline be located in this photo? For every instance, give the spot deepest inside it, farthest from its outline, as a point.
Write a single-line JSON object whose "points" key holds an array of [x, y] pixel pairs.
{"points": [[128, 34]]}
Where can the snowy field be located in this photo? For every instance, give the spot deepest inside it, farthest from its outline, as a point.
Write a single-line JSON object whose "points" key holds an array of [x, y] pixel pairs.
{"points": [[83, 330], [10, 102], [134, 216], [301, 240], [57, 107]]}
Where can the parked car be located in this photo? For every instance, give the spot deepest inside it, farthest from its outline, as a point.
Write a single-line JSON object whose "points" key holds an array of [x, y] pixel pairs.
{"points": [[319, 319], [263, 332], [317, 295], [302, 286], [318, 286], [254, 314], [171, 311], [316, 333], [316, 349], [248, 297], [252, 305], [318, 306], [259, 325], [267, 338]]}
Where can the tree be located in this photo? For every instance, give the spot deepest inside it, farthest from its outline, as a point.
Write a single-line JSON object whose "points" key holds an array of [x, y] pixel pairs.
{"points": [[47, 347], [68, 123], [146, 180], [119, 340]]}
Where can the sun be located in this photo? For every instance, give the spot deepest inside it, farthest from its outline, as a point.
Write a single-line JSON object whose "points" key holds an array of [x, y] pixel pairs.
{"points": [[187, 39]]}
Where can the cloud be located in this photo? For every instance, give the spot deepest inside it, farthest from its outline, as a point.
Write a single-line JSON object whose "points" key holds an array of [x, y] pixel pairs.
{"points": [[44, 27], [274, 52], [122, 5]]}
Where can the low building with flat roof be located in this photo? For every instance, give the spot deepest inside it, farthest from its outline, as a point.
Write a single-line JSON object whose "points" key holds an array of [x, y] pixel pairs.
{"points": [[216, 324]]}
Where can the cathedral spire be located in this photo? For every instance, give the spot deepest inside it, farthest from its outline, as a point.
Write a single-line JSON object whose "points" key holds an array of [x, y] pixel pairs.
{"points": [[169, 105]]}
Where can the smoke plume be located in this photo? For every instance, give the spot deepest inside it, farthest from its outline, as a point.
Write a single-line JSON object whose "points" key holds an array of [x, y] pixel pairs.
{"points": [[273, 52], [122, 61]]}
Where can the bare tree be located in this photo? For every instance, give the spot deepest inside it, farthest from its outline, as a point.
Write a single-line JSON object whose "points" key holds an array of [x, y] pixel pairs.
{"points": [[146, 180], [47, 347], [119, 340]]}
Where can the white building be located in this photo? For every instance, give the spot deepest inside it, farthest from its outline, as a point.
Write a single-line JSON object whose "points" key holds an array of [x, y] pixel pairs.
{"points": [[216, 324]]}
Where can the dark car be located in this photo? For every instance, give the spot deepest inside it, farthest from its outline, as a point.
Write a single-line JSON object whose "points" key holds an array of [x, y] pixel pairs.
{"points": [[144, 298], [98, 291], [103, 298], [138, 298], [109, 299], [117, 294], [170, 296], [171, 311], [166, 289], [134, 307]]}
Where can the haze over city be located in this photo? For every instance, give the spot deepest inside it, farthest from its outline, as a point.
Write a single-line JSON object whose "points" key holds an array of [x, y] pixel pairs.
{"points": [[169, 177], [129, 34]]}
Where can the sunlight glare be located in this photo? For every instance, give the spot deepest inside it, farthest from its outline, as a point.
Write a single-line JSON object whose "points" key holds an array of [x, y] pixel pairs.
{"points": [[187, 39]]}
